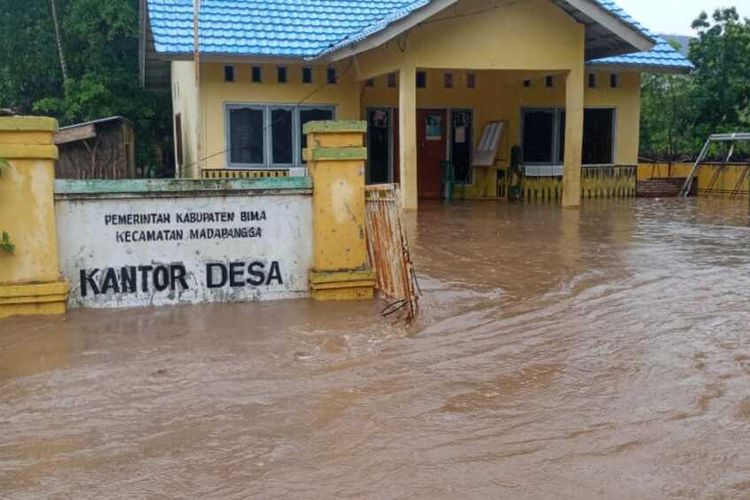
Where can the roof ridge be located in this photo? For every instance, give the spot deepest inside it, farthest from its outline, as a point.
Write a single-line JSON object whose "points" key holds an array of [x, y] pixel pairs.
{"points": [[376, 26]]}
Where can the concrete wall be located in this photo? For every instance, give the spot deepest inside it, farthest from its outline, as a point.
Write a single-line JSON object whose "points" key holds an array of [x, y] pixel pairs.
{"points": [[729, 181], [138, 243], [508, 35], [216, 93], [29, 275], [185, 103]]}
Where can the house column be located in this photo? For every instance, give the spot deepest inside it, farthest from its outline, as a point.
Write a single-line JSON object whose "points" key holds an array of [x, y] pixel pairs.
{"points": [[574, 102], [407, 123]]}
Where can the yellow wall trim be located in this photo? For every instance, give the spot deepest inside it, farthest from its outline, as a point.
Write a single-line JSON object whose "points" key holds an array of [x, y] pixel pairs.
{"points": [[348, 285], [28, 124], [41, 298], [28, 151]]}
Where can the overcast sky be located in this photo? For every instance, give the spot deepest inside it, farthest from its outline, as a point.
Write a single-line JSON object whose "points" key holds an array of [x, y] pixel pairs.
{"points": [[674, 17]]}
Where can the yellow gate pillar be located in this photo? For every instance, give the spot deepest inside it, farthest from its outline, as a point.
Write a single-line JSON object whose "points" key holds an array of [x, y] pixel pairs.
{"points": [[407, 138], [29, 272], [574, 102], [336, 159]]}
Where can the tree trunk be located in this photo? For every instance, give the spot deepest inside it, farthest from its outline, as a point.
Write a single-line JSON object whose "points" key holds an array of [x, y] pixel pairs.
{"points": [[58, 38]]}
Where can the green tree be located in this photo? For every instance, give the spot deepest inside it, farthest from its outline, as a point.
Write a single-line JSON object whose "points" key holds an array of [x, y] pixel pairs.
{"points": [[98, 40], [668, 116], [722, 76], [680, 111]]}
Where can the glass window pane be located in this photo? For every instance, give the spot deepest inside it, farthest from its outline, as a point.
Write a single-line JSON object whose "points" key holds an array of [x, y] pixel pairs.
{"points": [[561, 138], [246, 136], [281, 137], [538, 127], [310, 115], [597, 136]]}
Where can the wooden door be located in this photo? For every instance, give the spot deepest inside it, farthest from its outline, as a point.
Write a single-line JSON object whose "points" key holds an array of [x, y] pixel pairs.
{"points": [[431, 150]]}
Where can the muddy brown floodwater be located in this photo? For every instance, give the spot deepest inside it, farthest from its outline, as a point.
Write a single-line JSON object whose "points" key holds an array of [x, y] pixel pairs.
{"points": [[559, 354]]}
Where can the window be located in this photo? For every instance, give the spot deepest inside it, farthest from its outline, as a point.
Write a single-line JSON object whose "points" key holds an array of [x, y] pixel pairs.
{"points": [[281, 74], [331, 77], [539, 136], [391, 80], [246, 136], [614, 81], [561, 137], [256, 74], [544, 136], [282, 136], [421, 79], [592, 81], [448, 80], [228, 73], [527, 83], [261, 136], [310, 114], [307, 75], [370, 82], [598, 136], [549, 81], [471, 80]]}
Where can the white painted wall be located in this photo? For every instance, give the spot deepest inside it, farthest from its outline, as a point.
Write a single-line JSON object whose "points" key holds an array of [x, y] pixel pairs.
{"points": [[89, 240]]}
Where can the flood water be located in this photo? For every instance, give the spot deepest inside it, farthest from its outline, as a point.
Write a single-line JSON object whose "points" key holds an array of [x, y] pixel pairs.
{"points": [[559, 354]]}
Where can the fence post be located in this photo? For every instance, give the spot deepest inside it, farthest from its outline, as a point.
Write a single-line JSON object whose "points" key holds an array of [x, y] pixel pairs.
{"points": [[336, 157], [29, 271]]}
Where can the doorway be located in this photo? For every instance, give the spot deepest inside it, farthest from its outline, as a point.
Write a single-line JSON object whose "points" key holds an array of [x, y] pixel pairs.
{"points": [[379, 145], [461, 141], [431, 151]]}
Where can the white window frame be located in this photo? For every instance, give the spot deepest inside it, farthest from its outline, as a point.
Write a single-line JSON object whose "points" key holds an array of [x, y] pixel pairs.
{"points": [[267, 108], [556, 146], [556, 113], [228, 108]]}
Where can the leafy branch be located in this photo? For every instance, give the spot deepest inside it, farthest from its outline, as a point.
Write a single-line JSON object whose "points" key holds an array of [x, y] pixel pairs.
{"points": [[5, 244]]}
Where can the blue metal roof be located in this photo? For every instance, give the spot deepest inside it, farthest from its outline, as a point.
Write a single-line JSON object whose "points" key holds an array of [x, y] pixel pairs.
{"points": [[311, 28], [274, 28], [662, 57]]}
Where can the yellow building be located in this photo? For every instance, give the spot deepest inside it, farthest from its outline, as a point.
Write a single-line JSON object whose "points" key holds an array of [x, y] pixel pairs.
{"points": [[552, 86]]}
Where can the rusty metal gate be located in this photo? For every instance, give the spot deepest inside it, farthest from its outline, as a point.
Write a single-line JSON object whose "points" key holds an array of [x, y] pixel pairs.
{"points": [[388, 249]]}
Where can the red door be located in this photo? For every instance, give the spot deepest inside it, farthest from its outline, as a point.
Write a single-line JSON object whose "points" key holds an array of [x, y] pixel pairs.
{"points": [[431, 150]]}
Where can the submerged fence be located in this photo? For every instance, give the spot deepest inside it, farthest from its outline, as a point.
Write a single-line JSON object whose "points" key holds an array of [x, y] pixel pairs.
{"points": [[388, 249], [596, 182]]}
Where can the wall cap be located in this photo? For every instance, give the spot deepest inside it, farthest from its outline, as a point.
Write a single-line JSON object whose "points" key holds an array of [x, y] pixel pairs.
{"points": [[194, 186], [334, 127], [342, 154], [27, 124]]}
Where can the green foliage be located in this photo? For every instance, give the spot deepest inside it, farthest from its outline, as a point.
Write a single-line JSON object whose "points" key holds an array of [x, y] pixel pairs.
{"points": [[5, 244], [100, 42], [667, 116], [680, 111]]}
